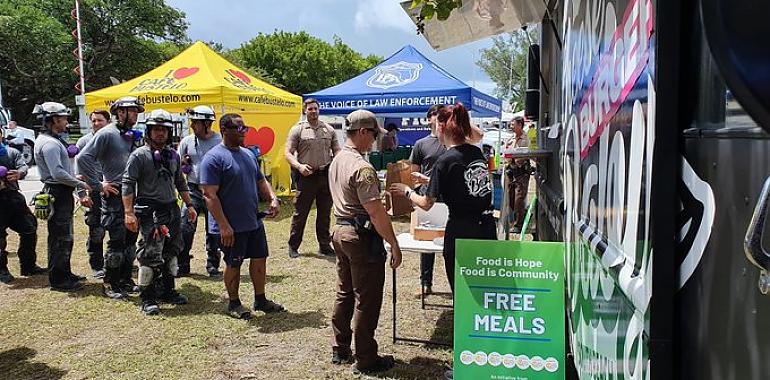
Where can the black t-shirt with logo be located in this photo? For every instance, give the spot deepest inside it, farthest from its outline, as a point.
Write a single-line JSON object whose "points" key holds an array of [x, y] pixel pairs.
{"points": [[461, 179]]}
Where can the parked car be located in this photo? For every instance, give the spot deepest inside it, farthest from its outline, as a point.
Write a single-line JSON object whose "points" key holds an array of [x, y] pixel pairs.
{"points": [[18, 137]]}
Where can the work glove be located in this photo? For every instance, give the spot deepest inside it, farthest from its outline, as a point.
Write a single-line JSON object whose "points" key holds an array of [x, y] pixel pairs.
{"points": [[43, 205]]}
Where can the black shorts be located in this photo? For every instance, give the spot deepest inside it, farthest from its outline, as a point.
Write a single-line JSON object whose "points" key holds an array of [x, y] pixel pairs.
{"points": [[247, 245]]}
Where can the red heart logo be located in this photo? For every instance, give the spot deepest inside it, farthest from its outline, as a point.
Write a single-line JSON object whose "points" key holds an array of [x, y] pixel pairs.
{"points": [[184, 72], [263, 137], [240, 75]]}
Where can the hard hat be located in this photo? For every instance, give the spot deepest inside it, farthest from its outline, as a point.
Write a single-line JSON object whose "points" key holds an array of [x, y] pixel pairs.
{"points": [[50, 109], [127, 102], [201, 113], [159, 117]]}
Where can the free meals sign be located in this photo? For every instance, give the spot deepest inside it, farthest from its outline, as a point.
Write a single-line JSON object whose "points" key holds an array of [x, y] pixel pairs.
{"points": [[509, 310]]}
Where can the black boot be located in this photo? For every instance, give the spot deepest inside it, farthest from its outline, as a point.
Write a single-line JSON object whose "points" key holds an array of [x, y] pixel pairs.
{"points": [[5, 275], [127, 284], [110, 289], [28, 257], [149, 303], [168, 292]]}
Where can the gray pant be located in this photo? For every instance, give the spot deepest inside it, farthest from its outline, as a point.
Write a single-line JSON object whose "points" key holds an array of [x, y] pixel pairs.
{"points": [[121, 245], [95, 242], [157, 251]]}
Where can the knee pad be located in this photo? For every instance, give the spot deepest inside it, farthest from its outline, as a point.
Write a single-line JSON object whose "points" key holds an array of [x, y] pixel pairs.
{"points": [[173, 266], [145, 276]]}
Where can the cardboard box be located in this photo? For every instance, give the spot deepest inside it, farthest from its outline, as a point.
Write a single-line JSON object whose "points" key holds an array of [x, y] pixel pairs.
{"points": [[428, 225], [398, 172]]}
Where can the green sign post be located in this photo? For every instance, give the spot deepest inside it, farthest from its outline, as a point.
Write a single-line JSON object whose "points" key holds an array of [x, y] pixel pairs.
{"points": [[509, 310]]}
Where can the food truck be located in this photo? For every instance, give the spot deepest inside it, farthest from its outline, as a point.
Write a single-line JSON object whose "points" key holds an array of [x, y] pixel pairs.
{"points": [[654, 117], [658, 160]]}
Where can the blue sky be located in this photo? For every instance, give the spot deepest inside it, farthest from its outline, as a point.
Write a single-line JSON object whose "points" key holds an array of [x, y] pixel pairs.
{"points": [[378, 27]]}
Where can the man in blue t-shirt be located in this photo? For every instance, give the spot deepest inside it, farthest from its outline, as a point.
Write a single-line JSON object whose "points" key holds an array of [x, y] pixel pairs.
{"points": [[232, 185]]}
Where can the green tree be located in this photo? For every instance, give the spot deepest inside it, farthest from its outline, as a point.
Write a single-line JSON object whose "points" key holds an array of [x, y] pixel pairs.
{"points": [[505, 62], [441, 9], [33, 58], [121, 39], [301, 63]]}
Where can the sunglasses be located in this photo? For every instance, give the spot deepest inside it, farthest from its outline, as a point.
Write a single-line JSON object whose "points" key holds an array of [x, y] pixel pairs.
{"points": [[239, 129]]}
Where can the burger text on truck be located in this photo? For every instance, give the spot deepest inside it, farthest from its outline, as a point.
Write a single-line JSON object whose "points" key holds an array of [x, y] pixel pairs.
{"points": [[18, 137]]}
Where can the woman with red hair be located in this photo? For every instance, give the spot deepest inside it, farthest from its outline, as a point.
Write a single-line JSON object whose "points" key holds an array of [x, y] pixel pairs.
{"points": [[461, 180]]}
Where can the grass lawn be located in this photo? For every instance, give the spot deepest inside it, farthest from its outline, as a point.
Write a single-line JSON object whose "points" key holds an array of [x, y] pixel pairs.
{"points": [[51, 335]]}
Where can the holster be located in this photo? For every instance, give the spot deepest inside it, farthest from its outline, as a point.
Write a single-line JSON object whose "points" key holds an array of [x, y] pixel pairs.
{"points": [[365, 230], [513, 171]]}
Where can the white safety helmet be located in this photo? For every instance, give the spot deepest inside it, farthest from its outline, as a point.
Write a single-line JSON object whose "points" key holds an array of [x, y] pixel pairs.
{"points": [[201, 113], [160, 117], [50, 109], [127, 102]]}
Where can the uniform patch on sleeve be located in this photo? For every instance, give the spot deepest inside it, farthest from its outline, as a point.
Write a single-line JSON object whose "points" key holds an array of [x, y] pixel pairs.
{"points": [[367, 175]]}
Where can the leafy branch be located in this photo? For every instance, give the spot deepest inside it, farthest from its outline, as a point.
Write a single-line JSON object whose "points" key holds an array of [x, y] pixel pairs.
{"points": [[441, 9]]}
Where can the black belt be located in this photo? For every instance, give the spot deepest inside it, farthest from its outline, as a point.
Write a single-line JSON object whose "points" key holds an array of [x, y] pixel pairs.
{"points": [[345, 221], [59, 186]]}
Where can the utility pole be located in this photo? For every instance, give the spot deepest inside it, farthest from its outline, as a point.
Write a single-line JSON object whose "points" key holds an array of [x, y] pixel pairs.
{"points": [[80, 100]]}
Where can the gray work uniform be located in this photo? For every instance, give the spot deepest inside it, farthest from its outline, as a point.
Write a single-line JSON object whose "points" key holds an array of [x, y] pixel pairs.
{"points": [[315, 146], [93, 219], [56, 173], [196, 148], [360, 257], [104, 158], [154, 185]]}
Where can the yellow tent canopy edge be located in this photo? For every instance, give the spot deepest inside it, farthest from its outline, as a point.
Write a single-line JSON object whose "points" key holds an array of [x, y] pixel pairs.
{"points": [[199, 75]]}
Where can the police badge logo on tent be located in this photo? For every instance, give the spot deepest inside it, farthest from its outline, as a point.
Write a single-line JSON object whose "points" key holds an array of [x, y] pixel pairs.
{"points": [[395, 75]]}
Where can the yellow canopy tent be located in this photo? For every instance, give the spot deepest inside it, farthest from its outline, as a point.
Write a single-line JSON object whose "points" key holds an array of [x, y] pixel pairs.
{"points": [[199, 75]]}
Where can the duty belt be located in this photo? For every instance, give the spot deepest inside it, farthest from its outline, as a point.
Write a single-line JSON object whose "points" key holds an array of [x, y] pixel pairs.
{"points": [[345, 221], [361, 222]]}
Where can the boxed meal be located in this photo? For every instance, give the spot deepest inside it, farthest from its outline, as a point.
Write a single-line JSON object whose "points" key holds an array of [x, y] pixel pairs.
{"points": [[429, 225]]}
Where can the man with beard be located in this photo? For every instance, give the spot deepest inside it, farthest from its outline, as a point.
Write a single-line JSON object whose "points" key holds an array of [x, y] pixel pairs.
{"points": [[152, 175], [102, 163], [55, 202]]}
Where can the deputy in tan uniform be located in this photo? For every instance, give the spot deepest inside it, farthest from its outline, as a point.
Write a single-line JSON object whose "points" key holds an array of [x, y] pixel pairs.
{"points": [[310, 147], [518, 173], [362, 224]]}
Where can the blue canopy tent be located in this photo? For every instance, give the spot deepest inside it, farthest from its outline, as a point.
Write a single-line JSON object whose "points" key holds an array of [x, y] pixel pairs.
{"points": [[405, 84]]}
